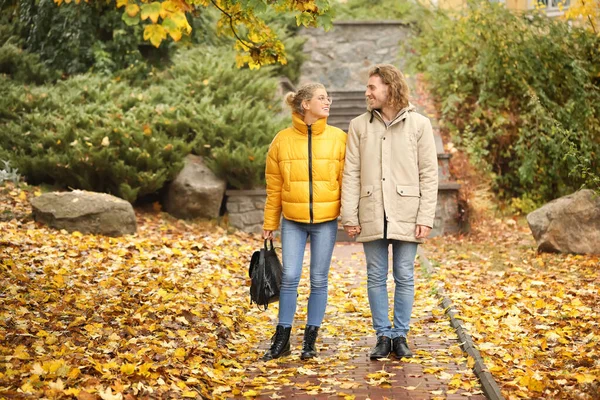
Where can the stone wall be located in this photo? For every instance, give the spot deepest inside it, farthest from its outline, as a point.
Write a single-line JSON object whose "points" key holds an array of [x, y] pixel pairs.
{"points": [[245, 209], [341, 57], [447, 218]]}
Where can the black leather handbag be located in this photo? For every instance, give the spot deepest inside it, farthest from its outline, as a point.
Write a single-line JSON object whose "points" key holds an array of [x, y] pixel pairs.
{"points": [[265, 273]]}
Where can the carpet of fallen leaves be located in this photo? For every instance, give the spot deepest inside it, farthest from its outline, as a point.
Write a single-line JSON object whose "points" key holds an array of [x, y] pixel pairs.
{"points": [[165, 313], [534, 317], [153, 314]]}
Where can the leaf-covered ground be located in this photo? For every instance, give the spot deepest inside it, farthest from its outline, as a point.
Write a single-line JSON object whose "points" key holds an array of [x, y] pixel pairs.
{"points": [[146, 315], [165, 313], [534, 317]]}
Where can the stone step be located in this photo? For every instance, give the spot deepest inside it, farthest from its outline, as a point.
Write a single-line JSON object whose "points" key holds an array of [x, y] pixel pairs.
{"points": [[346, 106], [345, 103], [339, 123], [347, 110], [351, 94]]}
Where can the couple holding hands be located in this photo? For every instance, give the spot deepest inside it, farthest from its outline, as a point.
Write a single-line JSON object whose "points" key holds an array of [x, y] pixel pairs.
{"points": [[382, 175]]}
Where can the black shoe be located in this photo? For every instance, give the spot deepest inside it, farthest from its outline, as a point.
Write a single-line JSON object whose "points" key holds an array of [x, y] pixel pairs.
{"points": [[308, 345], [382, 349], [400, 347], [280, 344]]}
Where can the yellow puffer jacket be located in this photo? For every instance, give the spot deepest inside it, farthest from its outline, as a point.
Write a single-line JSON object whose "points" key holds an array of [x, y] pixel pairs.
{"points": [[304, 173]]}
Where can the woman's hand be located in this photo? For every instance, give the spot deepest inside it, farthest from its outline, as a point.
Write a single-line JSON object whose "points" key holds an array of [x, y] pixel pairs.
{"points": [[352, 231], [268, 235]]}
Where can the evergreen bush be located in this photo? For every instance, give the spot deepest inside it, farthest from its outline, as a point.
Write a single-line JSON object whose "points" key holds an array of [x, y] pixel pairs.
{"points": [[228, 115], [23, 66], [75, 134], [96, 133], [521, 93]]}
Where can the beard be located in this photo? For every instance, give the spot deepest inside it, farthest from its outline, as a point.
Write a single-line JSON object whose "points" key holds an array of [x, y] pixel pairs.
{"points": [[369, 107]]}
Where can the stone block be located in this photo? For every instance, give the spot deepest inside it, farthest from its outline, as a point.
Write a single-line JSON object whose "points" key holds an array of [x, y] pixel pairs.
{"points": [[569, 224], [195, 192], [233, 207], [252, 217], [85, 212], [246, 205]]}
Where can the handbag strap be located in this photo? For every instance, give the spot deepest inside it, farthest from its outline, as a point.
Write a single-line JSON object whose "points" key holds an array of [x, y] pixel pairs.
{"points": [[271, 241]]}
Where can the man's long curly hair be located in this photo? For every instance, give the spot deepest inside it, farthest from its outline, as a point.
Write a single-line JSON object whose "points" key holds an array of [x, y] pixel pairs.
{"points": [[398, 91]]}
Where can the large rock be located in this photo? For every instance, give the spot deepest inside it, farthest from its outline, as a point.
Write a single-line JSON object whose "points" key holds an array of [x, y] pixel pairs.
{"points": [[86, 212], [570, 224], [196, 192]]}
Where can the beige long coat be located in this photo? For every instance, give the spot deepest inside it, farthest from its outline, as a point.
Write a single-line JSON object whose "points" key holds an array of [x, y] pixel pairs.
{"points": [[392, 169]]}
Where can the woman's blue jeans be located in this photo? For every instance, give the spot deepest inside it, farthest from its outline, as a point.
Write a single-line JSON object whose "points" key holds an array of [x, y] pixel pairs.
{"points": [[293, 244], [376, 253]]}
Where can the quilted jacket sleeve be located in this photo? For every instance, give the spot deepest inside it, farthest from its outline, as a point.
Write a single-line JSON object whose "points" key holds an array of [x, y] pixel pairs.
{"points": [[351, 179], [274, 184], [428, 175], [342, 156]]}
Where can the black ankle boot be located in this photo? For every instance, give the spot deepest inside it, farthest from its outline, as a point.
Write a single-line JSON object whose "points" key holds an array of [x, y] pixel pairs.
{"points": [[280, 343], [382, 349], [400, 347], [308, 345]]}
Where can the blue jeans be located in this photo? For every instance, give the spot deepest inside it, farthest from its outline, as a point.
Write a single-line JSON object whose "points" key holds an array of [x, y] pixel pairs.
{"points": [[376, 253], [293, 244]]}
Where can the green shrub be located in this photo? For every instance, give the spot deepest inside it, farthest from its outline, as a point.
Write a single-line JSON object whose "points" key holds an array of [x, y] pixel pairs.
{"points": [[14, 61], [75, 134], [23, 66], [226, 114], [75, 38], [96, 133], [521, 93]]}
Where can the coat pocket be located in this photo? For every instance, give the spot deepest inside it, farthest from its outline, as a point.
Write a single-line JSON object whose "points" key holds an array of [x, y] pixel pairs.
{"points": [[333, 176], [407, 203], [366, 205], [287, 175]]}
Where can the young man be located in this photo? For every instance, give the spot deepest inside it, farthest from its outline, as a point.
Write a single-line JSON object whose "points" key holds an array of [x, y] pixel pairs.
{"points": [[389, 196]]}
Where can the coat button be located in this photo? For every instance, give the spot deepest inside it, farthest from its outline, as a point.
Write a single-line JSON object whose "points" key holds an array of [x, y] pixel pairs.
{"points": [[383, 179]]}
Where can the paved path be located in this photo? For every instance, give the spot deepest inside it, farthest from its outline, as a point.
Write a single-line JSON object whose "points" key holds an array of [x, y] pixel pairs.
{"points": [[343, 369]]}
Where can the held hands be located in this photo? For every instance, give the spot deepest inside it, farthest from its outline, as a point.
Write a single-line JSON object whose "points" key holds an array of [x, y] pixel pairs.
{"points": [[352, 231], [422, 231]]}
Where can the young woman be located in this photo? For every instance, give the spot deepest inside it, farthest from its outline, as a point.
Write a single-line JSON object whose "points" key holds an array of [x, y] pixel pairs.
{"points": [[304, 174]]}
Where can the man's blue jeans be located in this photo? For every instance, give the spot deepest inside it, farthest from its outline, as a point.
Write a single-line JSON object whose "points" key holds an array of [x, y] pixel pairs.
{"points": [[376, 253], [293, 243]]}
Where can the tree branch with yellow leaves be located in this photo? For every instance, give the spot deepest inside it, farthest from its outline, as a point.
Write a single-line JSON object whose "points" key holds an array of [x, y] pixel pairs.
{"points": [[256, 43], [585, 9]]}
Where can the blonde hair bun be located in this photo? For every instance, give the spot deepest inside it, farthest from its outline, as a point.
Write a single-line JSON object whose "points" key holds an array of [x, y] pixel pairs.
{"points": [[304, 93], [289, 99]]}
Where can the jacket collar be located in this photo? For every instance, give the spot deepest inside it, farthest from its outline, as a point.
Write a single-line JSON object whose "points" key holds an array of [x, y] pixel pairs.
{"points": [[402, 114], [300, 126]]}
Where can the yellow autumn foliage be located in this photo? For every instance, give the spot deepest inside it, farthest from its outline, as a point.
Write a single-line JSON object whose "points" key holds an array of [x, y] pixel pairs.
{"points": [[258, 46]]}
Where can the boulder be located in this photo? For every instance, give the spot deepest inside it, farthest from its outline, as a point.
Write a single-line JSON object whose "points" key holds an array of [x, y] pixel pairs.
{"points": [[196, 192], [570, 224], [86, 212]]}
